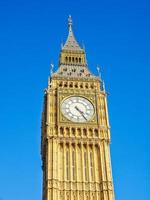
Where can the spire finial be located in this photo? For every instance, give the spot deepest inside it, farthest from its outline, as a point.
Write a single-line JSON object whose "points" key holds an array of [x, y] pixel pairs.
{"points": [[70, 21], [71, 43]]}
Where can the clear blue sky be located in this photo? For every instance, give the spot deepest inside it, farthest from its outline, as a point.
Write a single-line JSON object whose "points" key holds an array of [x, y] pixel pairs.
{"points": [[116, 35]]}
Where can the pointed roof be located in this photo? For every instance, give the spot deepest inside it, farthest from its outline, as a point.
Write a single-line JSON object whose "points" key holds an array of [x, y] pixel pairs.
{"points": [[70, 68], [71, 43]]}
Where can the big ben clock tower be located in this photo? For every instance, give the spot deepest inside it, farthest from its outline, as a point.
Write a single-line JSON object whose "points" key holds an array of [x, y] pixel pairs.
{"points": [[75, 131]]}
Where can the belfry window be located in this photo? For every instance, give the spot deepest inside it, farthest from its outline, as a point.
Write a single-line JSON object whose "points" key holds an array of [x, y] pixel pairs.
{"points": [[73, 165], [66, 59]]}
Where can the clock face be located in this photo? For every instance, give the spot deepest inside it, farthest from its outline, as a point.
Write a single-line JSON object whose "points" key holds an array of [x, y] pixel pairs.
{"points": [[77, 109]]}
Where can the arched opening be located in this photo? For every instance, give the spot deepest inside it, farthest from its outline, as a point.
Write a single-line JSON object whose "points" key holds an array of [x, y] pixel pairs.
{"points": [[65, 84], [67, 131], [96, 132], [84, 132], [61, 131], [79, 131], [66, 59], [71, 85], [73, 131], [86, 86], [60, 84], [76, 85], [81, 85], [92, 86]]}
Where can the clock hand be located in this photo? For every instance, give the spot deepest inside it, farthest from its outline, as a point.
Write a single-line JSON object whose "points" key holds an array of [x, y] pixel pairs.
{"points": [[84, 116], [80, 112]]}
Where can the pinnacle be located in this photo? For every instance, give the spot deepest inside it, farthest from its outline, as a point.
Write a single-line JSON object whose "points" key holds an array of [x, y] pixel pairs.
{"points": [[71, 43]]}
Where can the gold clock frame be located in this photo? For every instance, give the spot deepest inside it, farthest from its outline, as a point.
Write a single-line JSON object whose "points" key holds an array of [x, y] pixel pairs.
{"points": [[90, 97]]}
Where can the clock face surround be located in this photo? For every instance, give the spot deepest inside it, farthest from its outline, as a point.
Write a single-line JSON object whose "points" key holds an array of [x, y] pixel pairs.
{"points": [[77, 109]]}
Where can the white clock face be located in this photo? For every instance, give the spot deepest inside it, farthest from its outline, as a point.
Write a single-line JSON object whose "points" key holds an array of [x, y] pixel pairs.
{"points": [[77, 109]]}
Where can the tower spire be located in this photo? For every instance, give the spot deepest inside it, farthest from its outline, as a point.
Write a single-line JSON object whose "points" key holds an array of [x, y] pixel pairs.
{"points": [[71, 43], [72, 62]]}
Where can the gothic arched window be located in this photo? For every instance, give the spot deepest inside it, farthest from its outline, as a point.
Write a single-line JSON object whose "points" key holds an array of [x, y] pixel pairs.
{"points": [[66, 59]]}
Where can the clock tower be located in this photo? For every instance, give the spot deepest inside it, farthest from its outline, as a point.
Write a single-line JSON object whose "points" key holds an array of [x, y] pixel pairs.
{"points": [[75, 131]]}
